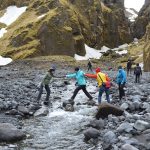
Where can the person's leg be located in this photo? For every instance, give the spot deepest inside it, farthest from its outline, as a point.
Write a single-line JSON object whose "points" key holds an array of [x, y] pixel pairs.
{"points": [[91, 69], [122, 93], [76, 92], [127, 71], [40, 92], [119, 88], [48, 93], [136, 78], [107, 94], [101, 90], [86, 92]]}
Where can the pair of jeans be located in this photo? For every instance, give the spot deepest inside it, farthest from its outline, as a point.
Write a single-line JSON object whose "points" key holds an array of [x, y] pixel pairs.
{"points": [[83, 88], [121, 90], [41, 91], [103, 89]]}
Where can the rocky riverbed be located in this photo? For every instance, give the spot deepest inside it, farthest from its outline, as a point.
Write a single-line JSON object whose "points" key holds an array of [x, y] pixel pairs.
{"points": [[53, 128]]}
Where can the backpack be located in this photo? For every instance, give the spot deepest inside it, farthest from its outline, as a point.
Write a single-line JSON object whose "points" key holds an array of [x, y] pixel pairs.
{"points": [[138, 70]]}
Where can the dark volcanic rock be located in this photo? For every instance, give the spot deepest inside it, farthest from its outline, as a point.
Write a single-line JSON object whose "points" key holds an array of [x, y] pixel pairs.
{"points": [[9, 133], [105, 109]]}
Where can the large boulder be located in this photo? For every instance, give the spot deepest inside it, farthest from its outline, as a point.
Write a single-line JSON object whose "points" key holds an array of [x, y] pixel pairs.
{"points": [[9, 133], [105, 109]]}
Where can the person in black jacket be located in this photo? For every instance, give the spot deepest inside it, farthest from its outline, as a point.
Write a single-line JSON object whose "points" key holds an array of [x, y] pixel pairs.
{"points": [[129, 66], [89, 65], [137, 73]]}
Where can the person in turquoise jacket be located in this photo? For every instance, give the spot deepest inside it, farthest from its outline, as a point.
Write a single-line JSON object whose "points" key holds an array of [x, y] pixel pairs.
{"points": [[121, 81], [81, 83]]}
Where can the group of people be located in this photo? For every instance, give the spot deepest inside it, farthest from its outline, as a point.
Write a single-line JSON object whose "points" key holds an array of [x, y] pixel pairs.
{"points": [[104, 83], [137, 70]]}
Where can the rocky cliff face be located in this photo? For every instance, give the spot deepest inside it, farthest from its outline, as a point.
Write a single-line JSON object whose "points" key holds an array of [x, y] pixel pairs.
{"points": [[146, 54], [143, 19], [19, 3], [62, 27]]}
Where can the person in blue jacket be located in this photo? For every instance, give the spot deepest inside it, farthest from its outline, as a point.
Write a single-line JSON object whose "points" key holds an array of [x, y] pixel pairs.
{"points": [[81, 83], [121, 81]]}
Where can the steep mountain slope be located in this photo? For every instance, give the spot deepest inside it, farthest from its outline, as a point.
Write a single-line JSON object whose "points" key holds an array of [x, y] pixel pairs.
{"points": [[143, 19], [146, 55], [62, 27]]}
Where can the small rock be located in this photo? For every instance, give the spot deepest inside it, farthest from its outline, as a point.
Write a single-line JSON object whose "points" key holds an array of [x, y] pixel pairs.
{"points": [[141, 125], [91, 133], [98, 124], [125, 127], [69, 107], [23, 110], [41, 112], [128, 147], [124, 106], [110, 137]]}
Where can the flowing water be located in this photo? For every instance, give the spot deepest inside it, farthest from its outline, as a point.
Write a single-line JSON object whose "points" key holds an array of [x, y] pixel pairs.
{"points": [[61, 130]]}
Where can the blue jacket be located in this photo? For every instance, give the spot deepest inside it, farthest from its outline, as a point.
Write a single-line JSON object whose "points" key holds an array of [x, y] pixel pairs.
{"points": [[121, 77], [79, 76]]}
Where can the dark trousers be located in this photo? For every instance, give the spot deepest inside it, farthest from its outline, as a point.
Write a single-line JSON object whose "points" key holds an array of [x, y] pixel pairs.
{"points": [[90, 68], [129, 71], [121, 90], [83, 88], [41, 91], [137, 78]]}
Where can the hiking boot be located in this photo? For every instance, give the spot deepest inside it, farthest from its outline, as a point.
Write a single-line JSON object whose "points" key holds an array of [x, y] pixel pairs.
{"points": [[71, 101], [90, 99]]}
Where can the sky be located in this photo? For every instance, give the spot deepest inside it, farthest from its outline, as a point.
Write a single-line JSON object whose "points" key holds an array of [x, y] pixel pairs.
{"points": [[136, 4]]}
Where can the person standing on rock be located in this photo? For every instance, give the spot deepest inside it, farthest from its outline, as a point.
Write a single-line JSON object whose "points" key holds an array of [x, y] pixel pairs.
{"points": [[129, 66], [45, 83], [79, 75], [89, 65], [121, 81], [103, 83], [137, 73]]}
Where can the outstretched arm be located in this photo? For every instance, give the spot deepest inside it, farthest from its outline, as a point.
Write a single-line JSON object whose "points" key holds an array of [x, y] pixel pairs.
{"points": [[71, 75], [94, 76]]}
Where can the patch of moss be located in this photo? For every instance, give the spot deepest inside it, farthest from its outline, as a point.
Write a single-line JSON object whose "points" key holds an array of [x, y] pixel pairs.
{"points": [[2, 25]]}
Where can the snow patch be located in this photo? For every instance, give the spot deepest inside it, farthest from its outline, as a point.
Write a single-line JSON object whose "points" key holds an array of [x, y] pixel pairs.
{"points": [[122, 52], [104, 49], [11, 14], [4, 61], [2, 31], [39, 17], [92, 53]]}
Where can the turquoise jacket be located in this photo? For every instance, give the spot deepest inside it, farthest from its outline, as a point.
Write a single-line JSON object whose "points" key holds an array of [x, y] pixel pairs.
{"points": [[79, 76], [121, 77]]}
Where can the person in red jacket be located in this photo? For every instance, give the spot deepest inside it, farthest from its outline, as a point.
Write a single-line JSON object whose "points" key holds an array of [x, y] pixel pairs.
{"points": [[103, 83]]}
